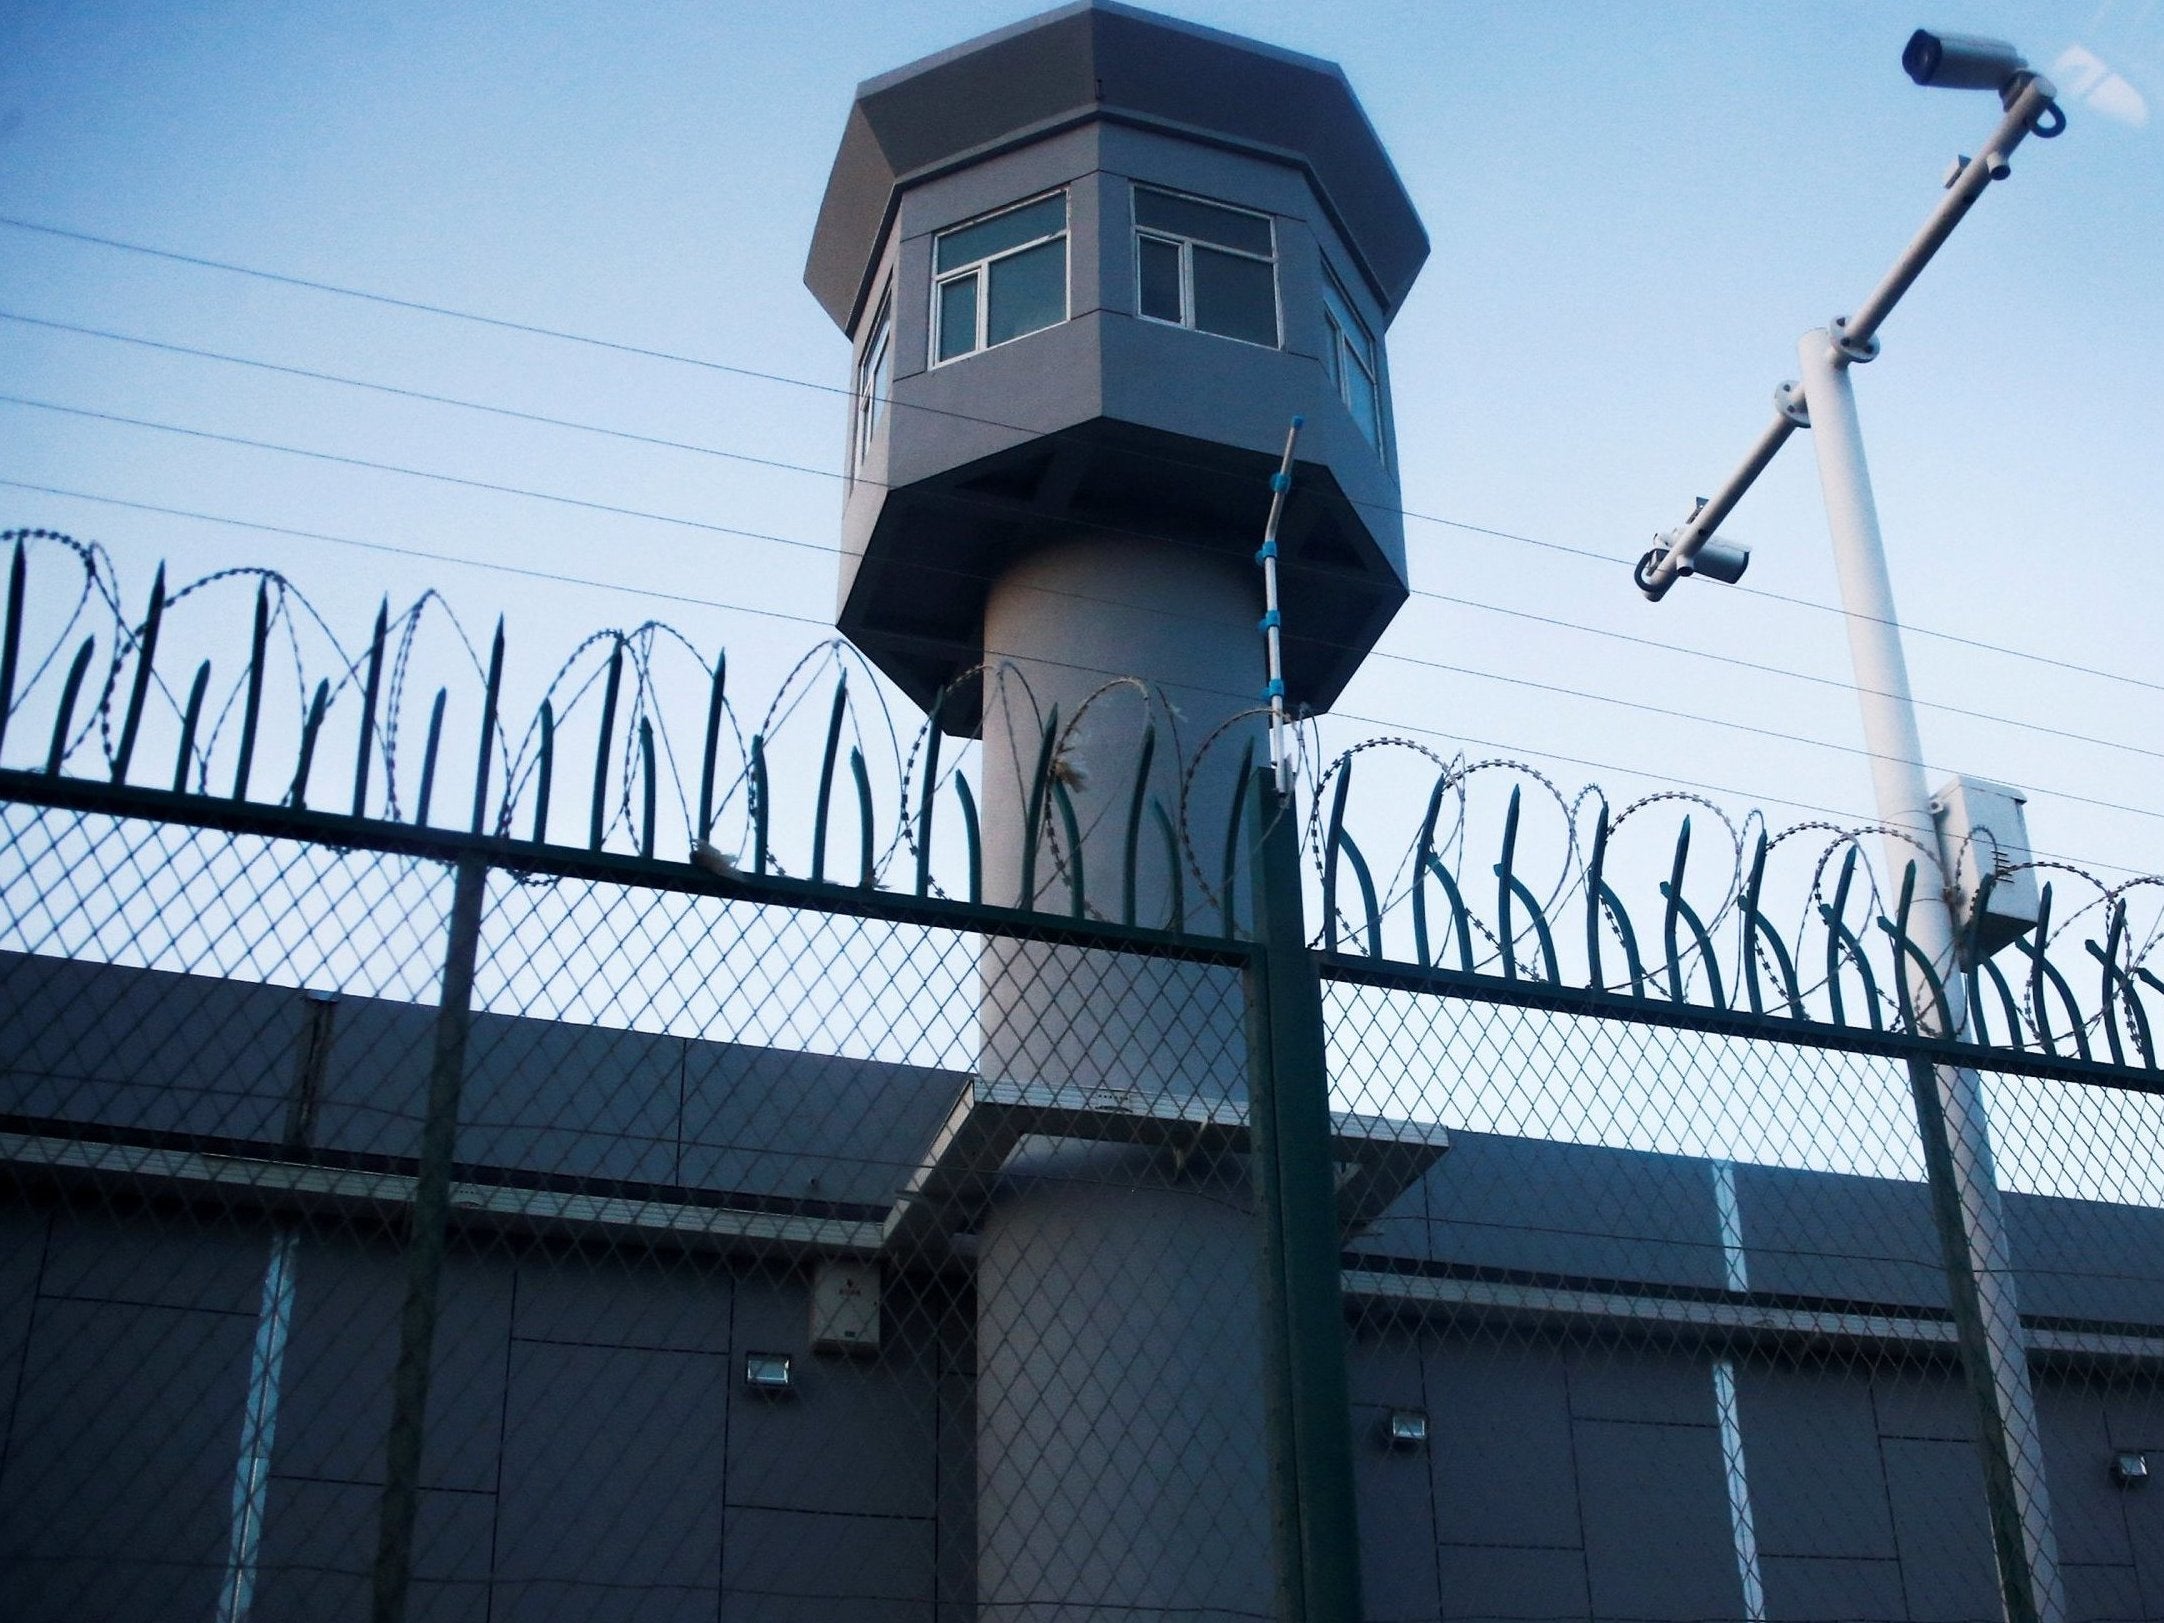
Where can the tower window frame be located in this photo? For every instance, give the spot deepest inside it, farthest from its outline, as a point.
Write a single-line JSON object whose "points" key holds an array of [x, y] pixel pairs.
{"points": [[1179, 228], [988, 272], [874, 381], [1354, 362]]}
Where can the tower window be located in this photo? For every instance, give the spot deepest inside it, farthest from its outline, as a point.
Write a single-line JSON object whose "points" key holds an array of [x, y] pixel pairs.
{"points": [[999, 277], [1206, 266], [875, 376], [1354, 366]]}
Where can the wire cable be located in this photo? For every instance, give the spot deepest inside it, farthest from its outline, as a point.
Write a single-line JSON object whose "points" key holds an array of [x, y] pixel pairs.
{"points": [[644, 352], [663, 443]]}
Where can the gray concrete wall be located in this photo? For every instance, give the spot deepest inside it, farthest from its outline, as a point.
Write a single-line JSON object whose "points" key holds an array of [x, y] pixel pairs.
{"points": [[592, 1450], [1582, 1477]]}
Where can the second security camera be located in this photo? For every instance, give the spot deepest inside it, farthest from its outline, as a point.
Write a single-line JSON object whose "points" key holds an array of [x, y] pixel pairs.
{"points": [[1961, 61]]}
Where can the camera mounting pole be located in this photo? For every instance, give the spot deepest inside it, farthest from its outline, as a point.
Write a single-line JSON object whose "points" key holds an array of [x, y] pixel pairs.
{"points": [[1951, 1118]]}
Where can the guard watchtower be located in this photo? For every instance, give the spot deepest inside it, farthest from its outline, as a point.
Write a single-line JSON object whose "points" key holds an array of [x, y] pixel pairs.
{"points": [[1091, 266]]}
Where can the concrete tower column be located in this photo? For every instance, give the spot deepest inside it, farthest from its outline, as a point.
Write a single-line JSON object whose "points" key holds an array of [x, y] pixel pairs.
{"points": [[1121, 1460]]}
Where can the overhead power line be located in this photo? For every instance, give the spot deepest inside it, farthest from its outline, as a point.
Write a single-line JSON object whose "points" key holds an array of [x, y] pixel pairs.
{"points": [[697, 448], [647, 352]]}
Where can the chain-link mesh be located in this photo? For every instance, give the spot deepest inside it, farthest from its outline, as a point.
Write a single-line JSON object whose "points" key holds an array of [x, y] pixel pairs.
{"points": [[1667, 1332], [792, 1263]]}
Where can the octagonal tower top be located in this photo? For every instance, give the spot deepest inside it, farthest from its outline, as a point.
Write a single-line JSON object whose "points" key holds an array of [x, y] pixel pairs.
{"points": [[1100, 59], [1091, 265]]}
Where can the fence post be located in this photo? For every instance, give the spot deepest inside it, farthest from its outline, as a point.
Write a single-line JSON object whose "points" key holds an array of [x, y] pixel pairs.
{"points": [[1971, 1220], [424, 1253], [1309, 1408]]}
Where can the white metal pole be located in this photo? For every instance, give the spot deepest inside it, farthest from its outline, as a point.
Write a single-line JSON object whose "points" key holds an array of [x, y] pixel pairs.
{"points": [[1273, 638], [1963, 1173]]}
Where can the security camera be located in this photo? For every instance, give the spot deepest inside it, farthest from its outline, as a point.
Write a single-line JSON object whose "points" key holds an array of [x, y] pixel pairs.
{"points": [[1961, 61], [1720, 559], [1717, 558]]}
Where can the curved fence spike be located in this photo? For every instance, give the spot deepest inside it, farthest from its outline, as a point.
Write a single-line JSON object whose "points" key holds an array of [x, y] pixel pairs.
{"points": [[759, 809], [1033, 821], [1758, 930], [1595, 881], [926, 800], [191, 717], [428, 757], [309, 728], [1840, 940], [1906, 950], [649, 787], [364, 752], [972, 838], [1229, 873], [64, 718], [1065, 803], [11, 638], [2007, 1004], [821, 809], [1131, 853], [597, 819], [1178, 898], [1461, 920], [1333, 843], [1542, 936], [1681, 910], [491, 696], [252, 705], [604, 744], [866, 871], [2119, 991], [544, 772], [1505, 890], [2042, 969], [146, 653], [1366, 880], [710, 750]]}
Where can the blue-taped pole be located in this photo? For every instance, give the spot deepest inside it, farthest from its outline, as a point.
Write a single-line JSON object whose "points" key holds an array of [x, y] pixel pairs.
{"points": [[1272, 633]]}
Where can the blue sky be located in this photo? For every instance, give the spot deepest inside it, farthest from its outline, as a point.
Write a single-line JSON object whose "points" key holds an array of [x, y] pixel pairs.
{"points": [[1635, 210]]}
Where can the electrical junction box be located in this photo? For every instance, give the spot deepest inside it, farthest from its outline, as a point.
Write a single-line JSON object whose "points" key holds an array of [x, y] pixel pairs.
{"points": [[845, 1307], [1983, 835]]}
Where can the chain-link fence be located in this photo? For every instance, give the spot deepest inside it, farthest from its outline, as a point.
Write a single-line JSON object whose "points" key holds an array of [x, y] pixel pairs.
{"points": [[701, 1255], [404, 1222]]}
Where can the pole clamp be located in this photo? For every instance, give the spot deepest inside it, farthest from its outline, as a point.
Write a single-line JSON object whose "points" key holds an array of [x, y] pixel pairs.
{"points": [[1851, 349], [1789, 402]]}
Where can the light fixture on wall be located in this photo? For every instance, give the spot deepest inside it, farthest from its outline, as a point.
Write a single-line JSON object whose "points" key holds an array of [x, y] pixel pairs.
{"points": [[773, 1374], [1404, 1429], [2130, 1469]]}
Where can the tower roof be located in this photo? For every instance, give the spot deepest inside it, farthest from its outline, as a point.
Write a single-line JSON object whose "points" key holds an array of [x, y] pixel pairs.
{"points": [[1100, 59]]}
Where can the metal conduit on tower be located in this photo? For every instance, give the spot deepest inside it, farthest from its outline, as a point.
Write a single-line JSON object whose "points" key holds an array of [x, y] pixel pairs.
{"points": [[1091, 266]]}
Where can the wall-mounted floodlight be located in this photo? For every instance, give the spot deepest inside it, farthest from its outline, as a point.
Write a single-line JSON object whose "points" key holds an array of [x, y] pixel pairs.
{"points": [[1405, 1429], [772, 1374], [2130, 1470]]}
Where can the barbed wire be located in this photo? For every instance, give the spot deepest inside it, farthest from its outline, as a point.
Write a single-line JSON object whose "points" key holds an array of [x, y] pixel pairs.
{"points": [[641, 760]]}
